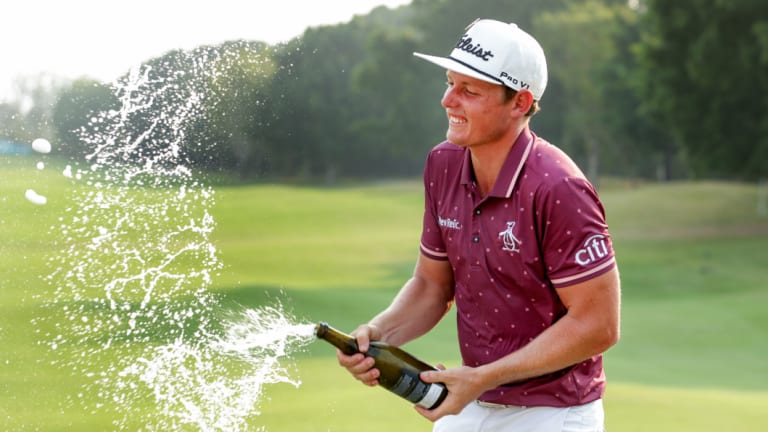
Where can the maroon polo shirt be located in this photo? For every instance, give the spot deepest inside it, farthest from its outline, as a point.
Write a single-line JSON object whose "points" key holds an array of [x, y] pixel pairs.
{"points": [[542, 227]]}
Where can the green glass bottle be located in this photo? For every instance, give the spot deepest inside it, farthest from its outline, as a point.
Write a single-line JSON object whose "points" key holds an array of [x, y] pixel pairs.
{"points": [[399, 370]]}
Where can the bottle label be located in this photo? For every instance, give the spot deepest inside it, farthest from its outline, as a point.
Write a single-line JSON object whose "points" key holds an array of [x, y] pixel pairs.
{"points": [[417, 391], [433, 394], [405, 385]]}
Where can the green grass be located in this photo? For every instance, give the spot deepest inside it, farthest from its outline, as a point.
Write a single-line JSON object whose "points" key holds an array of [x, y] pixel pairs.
{"points": [[692, 259]]}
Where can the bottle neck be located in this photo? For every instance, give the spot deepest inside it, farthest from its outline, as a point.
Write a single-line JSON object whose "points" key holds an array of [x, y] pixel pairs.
{"points": [[344, 342]]}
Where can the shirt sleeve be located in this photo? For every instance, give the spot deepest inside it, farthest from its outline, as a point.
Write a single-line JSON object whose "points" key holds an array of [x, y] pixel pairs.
{"points": [[576, 245], [432, 245]]}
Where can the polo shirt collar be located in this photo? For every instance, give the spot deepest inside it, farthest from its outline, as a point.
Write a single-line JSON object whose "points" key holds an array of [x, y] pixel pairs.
{"points": [[511, 169]]}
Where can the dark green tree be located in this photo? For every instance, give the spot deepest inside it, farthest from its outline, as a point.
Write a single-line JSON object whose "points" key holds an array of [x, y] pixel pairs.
{"points": [[74, 108], [401, 121], [28, 115], [313, 92], [704, 79], [231, 135], [588, 49], [11, 122]]}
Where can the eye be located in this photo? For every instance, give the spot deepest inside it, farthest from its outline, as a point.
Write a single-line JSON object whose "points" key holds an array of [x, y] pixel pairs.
{"points": [[470, 92]]}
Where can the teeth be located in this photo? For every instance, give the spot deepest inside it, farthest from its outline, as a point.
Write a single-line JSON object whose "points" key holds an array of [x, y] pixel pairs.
{"points": [[456, 120]]}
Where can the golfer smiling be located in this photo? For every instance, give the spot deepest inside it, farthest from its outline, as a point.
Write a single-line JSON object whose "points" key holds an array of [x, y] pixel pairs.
{"points": [[526, 257]]}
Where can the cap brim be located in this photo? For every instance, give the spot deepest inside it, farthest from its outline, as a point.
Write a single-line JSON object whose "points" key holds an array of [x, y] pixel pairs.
{"points": [[456, 66]]}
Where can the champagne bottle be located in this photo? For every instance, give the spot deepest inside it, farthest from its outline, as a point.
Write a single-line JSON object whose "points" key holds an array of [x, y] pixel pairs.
{"points": [[399, 370]]}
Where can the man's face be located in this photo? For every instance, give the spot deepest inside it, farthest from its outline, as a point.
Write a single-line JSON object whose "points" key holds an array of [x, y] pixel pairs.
{"points": [[477, 111]]}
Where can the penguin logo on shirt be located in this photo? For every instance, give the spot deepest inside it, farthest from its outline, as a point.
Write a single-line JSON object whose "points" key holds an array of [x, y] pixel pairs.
{"points": [[511, 243]]}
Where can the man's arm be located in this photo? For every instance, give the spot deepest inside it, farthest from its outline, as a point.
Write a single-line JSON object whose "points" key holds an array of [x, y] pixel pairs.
{"points": [[590, 326], [421, 303]]}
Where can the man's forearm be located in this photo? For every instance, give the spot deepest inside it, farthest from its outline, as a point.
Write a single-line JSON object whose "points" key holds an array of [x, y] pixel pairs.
{"points": [[414, 311], [589, 328]]}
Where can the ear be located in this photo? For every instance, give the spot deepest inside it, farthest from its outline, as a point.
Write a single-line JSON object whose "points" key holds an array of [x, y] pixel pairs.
{"points": [[522, 102]]}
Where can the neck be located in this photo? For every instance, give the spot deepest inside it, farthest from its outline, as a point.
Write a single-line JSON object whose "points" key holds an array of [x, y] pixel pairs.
{"points": [[487, 160]]}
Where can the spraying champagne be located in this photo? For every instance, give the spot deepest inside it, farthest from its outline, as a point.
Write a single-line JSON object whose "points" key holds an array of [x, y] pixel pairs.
{"points": [[399, 370]]}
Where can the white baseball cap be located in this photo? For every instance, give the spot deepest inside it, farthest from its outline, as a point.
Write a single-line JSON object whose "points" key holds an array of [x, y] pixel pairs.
{"points": [[498, 53]]}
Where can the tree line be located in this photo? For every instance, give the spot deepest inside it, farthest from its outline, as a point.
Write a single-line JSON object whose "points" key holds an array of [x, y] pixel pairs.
{"points": [[639, 88]]}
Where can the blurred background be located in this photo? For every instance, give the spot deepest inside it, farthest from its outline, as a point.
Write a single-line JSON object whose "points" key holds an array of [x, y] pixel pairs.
{"points": [[314, 125], [637, 89]]}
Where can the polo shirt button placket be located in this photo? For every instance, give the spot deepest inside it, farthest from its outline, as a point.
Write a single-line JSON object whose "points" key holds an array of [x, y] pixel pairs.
{"points": [[476, 236]]}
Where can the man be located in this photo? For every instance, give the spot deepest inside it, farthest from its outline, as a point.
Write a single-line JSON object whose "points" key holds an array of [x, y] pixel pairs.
{"points": [[515, 235]]}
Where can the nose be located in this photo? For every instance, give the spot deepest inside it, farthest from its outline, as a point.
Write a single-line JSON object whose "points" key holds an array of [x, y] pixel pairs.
{"points": [[449, 98]]}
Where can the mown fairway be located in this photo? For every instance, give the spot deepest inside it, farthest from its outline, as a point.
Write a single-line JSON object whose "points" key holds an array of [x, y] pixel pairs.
{"points": [[692, 257]]}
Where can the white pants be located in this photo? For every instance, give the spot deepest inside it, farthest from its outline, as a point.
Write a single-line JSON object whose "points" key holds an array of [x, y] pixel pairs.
{"points": [[480, 417]]}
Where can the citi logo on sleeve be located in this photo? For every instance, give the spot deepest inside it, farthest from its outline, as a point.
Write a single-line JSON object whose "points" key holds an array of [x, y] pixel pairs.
{"points": [[595, 248]]}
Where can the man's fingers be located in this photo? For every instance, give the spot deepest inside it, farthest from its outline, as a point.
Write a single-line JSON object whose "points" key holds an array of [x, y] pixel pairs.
{"points": [[348, 361], [360, 366], [369, 377], [431, 376], [363, 336]]}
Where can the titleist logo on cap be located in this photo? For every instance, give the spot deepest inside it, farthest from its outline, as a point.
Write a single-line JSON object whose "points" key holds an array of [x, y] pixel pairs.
{"points": [[465, 44]]}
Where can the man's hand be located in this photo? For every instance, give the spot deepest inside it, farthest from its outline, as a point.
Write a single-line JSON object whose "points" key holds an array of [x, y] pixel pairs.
{"points": [[463, 388], [359, 365]]}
